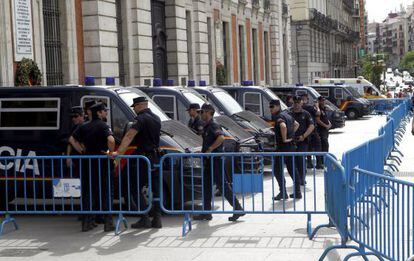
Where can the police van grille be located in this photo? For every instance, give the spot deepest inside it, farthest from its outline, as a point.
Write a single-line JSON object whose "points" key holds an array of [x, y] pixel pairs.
{"points": [[182, 134], [233, 127], [254, 119]]}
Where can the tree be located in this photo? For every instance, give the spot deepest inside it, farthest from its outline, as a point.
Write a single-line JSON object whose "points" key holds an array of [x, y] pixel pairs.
{"points": [[407, 62], [373, 67]]}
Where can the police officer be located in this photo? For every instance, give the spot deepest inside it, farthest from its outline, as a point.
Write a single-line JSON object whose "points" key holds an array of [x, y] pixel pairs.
{"points": [[306, 127], [213, 139], [195, 123], [77, 116], [323, 125], [95, 138], [145, 135], [289, 101], [285, 128], [314, 139], [87, 110]]}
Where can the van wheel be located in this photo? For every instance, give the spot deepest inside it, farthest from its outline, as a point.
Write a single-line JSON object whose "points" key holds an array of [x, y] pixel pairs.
{"points": [[351, 114]]}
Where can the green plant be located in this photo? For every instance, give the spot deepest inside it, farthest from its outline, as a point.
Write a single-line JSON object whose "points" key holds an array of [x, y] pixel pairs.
{"points": [[407, 62], [220, 74], [27, 73]]}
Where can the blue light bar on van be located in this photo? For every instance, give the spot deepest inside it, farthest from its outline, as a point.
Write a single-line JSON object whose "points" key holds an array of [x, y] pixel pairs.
{"points": [[202, 83], [110, 81], [89, 81], [157, 82], [247, 83], [299, 84], [170, 82], [191, 83], [339, 83]]}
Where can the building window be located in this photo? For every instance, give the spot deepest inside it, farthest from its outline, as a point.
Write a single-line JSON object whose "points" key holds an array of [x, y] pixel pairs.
{"points": [[267, 56], [210, 48], [53, 45], [121, 62], [242, 50], [255, 57], [226, 51], [30, 114]]}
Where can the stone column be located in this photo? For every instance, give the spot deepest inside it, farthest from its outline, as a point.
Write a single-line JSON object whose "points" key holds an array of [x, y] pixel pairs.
{"points": [[275, 40], [38, 37], [100, 39], [69, 42], [6, 47], [177, 40]]}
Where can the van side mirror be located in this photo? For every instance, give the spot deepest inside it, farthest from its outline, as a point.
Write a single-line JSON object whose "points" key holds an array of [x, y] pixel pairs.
{"points": [[349, 98]]}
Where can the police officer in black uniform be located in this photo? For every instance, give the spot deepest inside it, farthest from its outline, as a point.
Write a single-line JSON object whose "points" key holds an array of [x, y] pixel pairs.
{"points": [[314, 139], [78, 118], [95, 138], [213, 139], [195, 123], [306, 127], [145, 135], [285, 128], [87, 109], [323, 125]]}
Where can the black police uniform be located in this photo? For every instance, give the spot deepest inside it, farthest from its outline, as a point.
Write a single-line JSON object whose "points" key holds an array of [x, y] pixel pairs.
{"points": [[314, 138], [324, 134], [147, 142], [211, 131], [197, 125], [94, 136], [305, 120], [284, 117]]}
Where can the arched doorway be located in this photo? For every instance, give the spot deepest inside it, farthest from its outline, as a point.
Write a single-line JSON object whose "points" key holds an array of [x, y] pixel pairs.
{"points": [[159, 39]]}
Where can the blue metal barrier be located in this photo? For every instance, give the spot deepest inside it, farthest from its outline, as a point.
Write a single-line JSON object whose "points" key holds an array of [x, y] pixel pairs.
{"points": [[385, 224], [385, 106], [76, 185], [256, 189]]}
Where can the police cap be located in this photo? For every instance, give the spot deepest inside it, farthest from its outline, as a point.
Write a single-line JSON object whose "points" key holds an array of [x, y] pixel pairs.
{"points": [[138, 100], [194, 106], [321, 98], [89, 104], [76, 110], [98, 107], [207, 107], [274, 103]]}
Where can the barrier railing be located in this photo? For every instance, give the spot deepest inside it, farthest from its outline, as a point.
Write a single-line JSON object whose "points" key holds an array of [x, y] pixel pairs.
{"points": [[81, 185], [382, 221], [385, 106], [246, 190]]}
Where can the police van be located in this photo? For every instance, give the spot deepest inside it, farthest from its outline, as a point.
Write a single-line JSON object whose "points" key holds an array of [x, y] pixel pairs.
{"points": [[346, 98], [227, 105], [362, 85], [35, 121]]}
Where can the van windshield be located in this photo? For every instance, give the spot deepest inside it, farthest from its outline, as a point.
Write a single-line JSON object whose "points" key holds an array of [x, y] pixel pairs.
{"points": [[196, 98], [128, 98], [353, 91], [228, 102]]}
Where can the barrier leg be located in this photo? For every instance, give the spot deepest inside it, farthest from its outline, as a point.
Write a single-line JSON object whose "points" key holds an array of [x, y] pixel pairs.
{"points": [[312, 234], [398, 152], [8, 219], [396, 159], [120, 219], [363, 256], [325, 253], [187, 221]]}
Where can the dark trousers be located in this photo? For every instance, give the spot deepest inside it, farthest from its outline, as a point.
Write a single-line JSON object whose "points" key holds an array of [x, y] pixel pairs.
{"points": [[139, 179], [213, 174], [292, 170], [314, 145], [97, 185], [302, 146], [324, 144]]}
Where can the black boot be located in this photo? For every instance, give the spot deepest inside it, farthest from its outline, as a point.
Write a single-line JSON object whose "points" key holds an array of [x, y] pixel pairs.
{"points": [[144, 222], [87, 224], [156, 222], [296, 195], [237, 215], [281, 196], [108, 224]]}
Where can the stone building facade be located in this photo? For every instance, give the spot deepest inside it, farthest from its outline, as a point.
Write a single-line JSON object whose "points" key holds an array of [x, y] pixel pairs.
{"points": [[137, 40], [324, 39]]}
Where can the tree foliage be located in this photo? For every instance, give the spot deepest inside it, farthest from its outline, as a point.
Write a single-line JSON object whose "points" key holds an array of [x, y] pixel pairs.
{"points": [[407, 62], [372, 68]]}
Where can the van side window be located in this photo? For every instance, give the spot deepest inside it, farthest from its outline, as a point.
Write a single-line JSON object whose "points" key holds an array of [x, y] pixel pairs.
{"points": [[183, 116], [301, 92], [167, 104], [103, 99], [29, 113], [119, 121], [339, 94], [253, 102], [323, 92]]}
